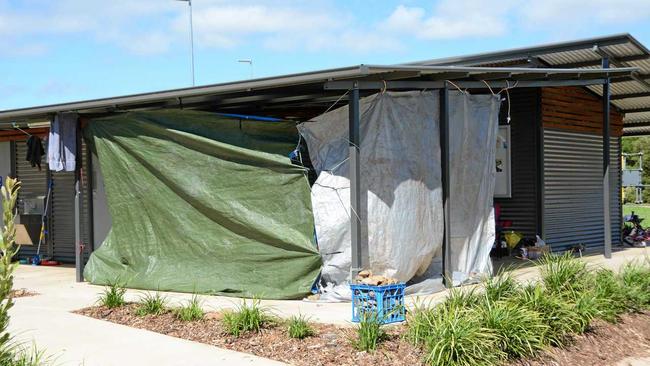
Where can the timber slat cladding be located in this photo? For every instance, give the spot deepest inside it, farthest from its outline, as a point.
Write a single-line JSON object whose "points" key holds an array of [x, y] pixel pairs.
{"points": [[575, 109]]}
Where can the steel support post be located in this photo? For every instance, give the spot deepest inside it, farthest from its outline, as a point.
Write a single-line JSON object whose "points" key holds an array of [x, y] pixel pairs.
{"points": [[355, 181], [91, 208], [445, 166], [607, 227], [78, 260]]}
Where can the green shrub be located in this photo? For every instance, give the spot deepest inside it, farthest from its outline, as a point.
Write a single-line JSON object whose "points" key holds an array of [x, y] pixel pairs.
{"points": [[554, 311], [563, 273], [246, 318], [113, 295], [458, 338], [299, 327], [370, 332], [8, 249], [462, 298], [418, 324], [610, 294], [500, 287], [191, 311], [151, 304], [520, 331], [586, 308], [635, 279]]}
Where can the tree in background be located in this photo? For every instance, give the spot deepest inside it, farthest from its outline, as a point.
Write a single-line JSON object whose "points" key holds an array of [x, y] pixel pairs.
{"points": [[7, 250], [637, 144]]}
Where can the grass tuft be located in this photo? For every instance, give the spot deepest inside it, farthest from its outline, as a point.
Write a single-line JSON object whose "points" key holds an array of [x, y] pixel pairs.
{"points": [[113, 295], [520, 330], [459, 338], [246, 318], [462, 298], [563, 272], [635, 279], [370, 332], [191, 311], [151, 304], [500, 287], [299, 327]]}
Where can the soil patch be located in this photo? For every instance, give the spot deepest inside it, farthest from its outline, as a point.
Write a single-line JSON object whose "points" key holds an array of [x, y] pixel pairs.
{"points": [[604, 344], [330, 346], [21, 292]]}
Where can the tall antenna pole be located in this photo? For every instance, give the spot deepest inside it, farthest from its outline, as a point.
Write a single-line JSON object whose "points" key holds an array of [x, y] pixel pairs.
{"points": [[189, 2], [192, 40]]}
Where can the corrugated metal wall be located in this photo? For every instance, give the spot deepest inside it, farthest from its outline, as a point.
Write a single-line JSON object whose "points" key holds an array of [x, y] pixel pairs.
{"points": [[61, 241], [33, 184], [521, 208], [573, 199]]}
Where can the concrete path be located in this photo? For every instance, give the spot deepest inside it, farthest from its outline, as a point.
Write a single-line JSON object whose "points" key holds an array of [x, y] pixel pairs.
{"points": [[79, 340], [73, 339]]}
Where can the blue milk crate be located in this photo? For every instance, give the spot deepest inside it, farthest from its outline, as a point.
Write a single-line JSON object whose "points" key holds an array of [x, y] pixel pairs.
{"points": [[386, 301]]}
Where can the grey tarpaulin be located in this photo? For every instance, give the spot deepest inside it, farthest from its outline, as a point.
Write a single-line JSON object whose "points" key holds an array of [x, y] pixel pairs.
{"points": [[400, 170]]}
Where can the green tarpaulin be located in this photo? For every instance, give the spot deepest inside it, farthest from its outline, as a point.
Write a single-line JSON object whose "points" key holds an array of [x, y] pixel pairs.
{"points": [[203, 203]]}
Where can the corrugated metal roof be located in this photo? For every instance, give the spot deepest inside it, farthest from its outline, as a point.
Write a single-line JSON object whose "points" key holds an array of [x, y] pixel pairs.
{"points": [[308, 89], [622, 49]]}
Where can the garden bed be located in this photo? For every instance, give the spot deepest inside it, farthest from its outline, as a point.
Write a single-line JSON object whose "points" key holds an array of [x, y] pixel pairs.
{"points": [[329, 346], [592, 316], [603, 344]]}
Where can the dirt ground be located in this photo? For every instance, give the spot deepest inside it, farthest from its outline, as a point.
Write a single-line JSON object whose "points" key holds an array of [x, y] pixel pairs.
{"points": [[604, 344]]}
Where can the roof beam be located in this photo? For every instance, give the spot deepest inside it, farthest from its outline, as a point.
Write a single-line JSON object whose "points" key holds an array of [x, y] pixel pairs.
{"points": [[630, 95], [636, 110], [574, 65], [414, 85], [638, 124], [492, 75]]}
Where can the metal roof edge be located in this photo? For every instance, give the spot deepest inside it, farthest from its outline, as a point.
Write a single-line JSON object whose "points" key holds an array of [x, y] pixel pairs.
{"points": [[521, 52]]}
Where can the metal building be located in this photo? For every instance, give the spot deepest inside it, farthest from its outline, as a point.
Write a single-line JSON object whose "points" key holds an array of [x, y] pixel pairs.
{"points": [[569, 104]]}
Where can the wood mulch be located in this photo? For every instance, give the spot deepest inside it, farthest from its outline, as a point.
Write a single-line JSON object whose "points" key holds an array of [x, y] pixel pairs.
{"points": [[330, 346], [603, 344], [21, 292]]}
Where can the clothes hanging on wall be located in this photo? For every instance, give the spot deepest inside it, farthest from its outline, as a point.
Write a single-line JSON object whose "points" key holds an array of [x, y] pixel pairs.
{"points": [[62, 146], [35, 151]]}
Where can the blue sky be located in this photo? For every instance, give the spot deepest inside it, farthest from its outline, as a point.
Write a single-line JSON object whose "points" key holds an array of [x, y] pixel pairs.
{"points": [[63, 50]]}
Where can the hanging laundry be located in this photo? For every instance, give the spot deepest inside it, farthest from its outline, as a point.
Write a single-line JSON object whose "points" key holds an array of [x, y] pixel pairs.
{"points": [[62, 146], [35, 151]]}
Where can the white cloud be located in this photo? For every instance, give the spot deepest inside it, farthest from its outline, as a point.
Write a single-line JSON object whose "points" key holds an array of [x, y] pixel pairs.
{"points": [[128, 24], [459, 19], [450, 19], [157, 26], [282, 26], [576, 13]]}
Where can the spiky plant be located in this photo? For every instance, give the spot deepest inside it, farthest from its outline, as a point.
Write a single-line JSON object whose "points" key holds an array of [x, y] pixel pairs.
{"points": [[246, 318], [299, 327], [113, 295], [191, 311], [151, 304], [8, 250], [370, 332]]}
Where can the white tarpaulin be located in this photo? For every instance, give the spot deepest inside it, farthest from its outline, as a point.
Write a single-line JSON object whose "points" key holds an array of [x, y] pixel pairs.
{"points": [[400, 171], [474, 122]]}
